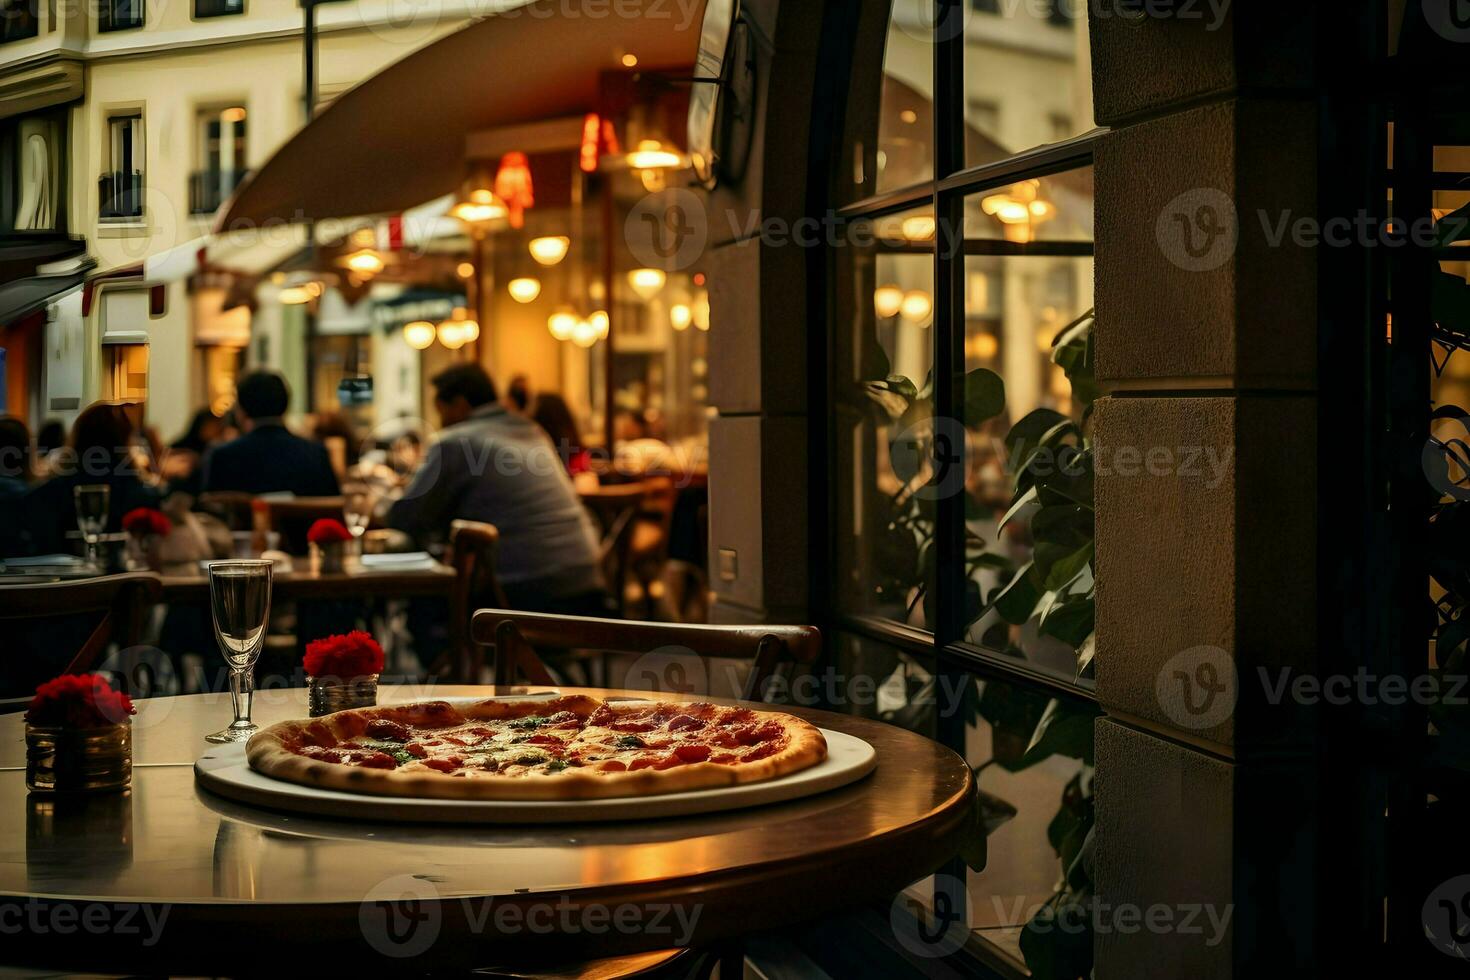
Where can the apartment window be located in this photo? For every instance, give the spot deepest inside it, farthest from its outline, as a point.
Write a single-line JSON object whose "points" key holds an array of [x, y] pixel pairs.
{"points": [[120, 188], [19, 19], [960, 317], [126, 367], [32, 172], [218, 8], [119, 15], [222, 154]]}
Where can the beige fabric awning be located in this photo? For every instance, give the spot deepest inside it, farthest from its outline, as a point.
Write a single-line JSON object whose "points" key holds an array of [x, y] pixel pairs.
{"points": [[398, 139]]}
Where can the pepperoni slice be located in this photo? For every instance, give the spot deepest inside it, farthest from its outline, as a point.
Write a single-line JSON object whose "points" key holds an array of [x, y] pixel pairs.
{"points": [[444, 765], [632, 726], [692, 753], [378, 760], [644, 762], [760, 751], [387, 730], [611, 765], [724, 758], [684, 723], [416, 749]]}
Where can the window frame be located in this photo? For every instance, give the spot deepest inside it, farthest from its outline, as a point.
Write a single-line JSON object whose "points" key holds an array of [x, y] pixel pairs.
{"points": [[942, 647], [138, 157]]}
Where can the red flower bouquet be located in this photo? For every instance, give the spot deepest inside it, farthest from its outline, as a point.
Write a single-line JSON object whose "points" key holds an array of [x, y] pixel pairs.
{"points": [[142, 522], [79, 701], [354, 655], [328, 531]]}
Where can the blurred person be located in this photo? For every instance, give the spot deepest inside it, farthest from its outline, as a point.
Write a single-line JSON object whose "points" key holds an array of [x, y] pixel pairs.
{"points": [[50, 440], [334, 431], [268, 458], [99, 451], [15, 457], [638, 450], [493, 465], [518, 393], [554, 416], [183, 464]]}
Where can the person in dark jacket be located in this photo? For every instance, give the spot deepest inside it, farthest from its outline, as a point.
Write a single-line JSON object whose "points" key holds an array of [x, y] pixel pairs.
{"points": [[268, 458]]}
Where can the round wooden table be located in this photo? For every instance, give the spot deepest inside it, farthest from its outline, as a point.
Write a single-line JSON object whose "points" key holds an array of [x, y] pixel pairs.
{"points": [[168, 877]]}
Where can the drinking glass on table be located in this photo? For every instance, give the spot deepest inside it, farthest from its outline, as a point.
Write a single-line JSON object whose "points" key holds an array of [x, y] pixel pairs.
{"points": [[240, 600], [93, 505], [357, 512]]}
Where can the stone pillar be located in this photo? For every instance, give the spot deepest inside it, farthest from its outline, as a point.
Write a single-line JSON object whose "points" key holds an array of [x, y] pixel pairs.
{"points": [[759, 335], [1206, 488]]}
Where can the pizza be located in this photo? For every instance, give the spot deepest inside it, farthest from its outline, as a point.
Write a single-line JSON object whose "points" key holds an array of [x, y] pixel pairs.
{"points": [[565, 748]]}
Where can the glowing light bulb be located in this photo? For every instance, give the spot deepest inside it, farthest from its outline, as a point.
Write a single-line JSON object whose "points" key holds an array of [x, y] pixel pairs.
{"points": [[887, 300], [647, 282], [524, 289], [916, 306], [584, 334], [680, 316], [550, 249], [562, 323], [600, 323], [419, 334]]}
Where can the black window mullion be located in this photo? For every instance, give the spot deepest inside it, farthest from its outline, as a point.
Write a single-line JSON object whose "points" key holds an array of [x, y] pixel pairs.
{"points": [[949, 366]]}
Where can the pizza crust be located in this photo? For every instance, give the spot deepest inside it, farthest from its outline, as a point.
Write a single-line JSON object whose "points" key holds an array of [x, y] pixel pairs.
{"points": [[269, 752]]}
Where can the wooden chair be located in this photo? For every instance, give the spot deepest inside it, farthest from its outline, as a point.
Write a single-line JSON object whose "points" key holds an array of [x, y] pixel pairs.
{"points": [[230, 506], [292, 517], [616, 508], [122, 601], [516, 634], [473, 546]]}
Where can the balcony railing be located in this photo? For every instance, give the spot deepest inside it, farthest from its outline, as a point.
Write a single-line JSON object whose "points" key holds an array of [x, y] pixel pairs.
{"points": [[120, 195], [209, 188], [19, 19], [119, 15]]}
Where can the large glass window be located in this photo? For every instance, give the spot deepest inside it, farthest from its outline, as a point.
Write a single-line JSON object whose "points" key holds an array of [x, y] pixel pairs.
{"points": [[959, 443]]}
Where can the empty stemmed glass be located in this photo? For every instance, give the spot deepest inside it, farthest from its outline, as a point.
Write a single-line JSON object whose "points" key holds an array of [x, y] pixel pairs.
{"points": [[93, 503], [357, 511], [240, 599]]}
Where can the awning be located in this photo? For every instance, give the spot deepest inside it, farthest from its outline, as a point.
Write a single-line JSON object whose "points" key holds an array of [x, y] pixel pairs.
{"points": [[398, 139], [22, 297]]}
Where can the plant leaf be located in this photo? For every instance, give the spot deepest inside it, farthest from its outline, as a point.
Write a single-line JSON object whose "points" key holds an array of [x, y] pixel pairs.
{"points": [[985, 396]]}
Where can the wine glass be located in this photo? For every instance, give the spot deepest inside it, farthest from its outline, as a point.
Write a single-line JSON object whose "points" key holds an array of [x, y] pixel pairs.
{"points": [[93, 506], [240, 599], [357, 511]]}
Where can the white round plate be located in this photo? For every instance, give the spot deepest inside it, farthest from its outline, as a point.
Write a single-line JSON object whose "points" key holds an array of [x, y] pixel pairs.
{"points": [[223, 770]]}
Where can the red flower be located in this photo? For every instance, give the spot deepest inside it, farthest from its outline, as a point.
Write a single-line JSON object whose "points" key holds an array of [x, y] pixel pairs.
{"points": [[140, 522], [328, 531], [352, 655], [79, 701]]}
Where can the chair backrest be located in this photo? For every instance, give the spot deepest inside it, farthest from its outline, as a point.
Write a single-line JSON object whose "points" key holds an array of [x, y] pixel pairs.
{"points": [[473, 546], [293, 516], [122, 600], [230, 506], [516, 635]]}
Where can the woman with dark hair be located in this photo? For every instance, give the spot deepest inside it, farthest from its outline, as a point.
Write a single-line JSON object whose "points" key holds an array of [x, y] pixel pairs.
{"points": [[183, 465], [334, 431], [553, 415], [98, 452]]}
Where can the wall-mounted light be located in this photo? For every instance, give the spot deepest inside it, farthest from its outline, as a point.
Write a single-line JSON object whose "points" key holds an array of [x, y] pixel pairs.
{"points": [[479, 208], [600, 323], [680, 316], [918, 227], [701, 311], [524, 290], [550, 249], [419, 334], [465, 270], [887, 300], [647, 282]]}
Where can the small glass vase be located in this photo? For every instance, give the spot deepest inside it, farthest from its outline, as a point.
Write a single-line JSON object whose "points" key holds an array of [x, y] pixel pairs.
{"points": [[325, 695], [67, 760], [330, 558]]}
